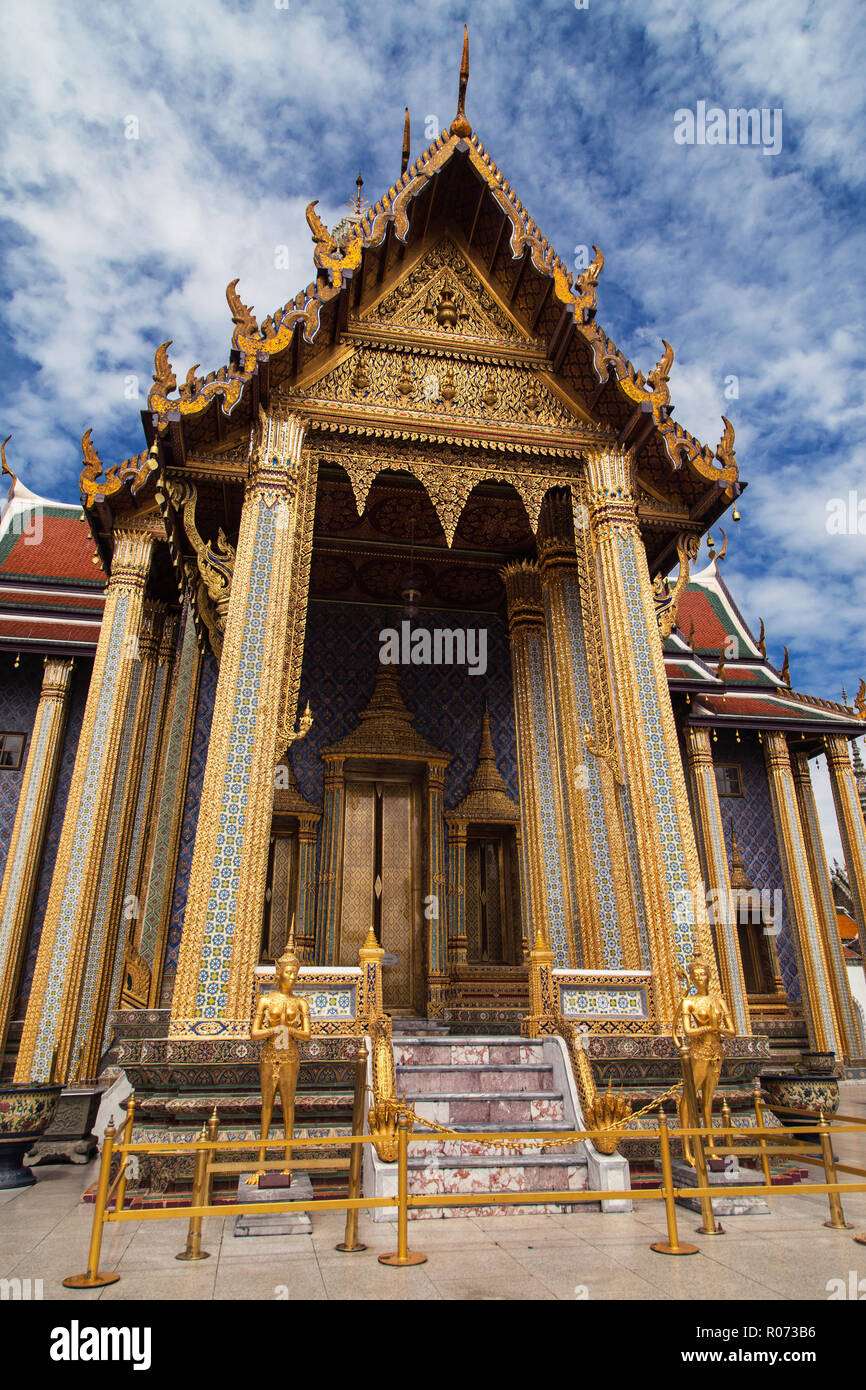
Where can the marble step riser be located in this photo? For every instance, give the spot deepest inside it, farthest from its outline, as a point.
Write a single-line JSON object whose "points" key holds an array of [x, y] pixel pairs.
{"points": [[435, 1083], [463, 1148], [511, 1177], [516, 1111], [459, 1054]]}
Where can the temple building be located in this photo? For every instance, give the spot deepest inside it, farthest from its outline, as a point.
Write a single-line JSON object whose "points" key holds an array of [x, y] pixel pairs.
{"points": [[391, 635]]}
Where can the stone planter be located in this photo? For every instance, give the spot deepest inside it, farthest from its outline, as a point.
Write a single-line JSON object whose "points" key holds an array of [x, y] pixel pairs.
{"points": [[809, 1093], [25, 1113]]}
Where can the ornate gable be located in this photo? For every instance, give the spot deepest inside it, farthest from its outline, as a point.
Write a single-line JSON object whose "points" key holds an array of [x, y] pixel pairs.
{"points": [[443, 297]]}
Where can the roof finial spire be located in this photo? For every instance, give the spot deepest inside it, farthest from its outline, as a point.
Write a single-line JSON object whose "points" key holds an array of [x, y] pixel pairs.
{"points": [[404, 165], [460, 125]]}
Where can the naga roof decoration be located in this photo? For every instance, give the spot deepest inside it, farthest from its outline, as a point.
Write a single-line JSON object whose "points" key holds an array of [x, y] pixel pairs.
{"points": [[338, 255]]}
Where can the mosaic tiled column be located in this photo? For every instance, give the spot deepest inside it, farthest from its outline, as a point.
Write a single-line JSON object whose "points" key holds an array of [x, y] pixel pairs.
{"points": [[147, 759], [711, 839], [167, 822], [852, 829], [113, 911], [330, 863], [850, 1035], [223, 921], [305, 936], [645, 751], [544, 859], [457, 943], [817, 994], [32, 814], [53, 1007], [606, 929], [435, 893]]}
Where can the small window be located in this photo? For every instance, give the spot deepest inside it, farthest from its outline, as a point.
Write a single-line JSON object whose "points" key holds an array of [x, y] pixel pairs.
{"points": [[729, 781], [11, 751]]}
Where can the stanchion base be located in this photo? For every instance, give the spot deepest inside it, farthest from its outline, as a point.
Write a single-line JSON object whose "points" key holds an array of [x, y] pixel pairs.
{"points": [[704, 1231], [662, 1247], [844, 1226], [412, 1257], [349, 1249], [90, 1281], [187, 1255]]}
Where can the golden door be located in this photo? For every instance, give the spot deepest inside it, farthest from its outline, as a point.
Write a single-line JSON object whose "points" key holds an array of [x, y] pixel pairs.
{"points": [[381, 879]]}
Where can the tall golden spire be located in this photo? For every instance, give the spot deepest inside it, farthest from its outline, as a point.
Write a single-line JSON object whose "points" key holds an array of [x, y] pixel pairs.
{"points": [[404, 164], [460, 125]]}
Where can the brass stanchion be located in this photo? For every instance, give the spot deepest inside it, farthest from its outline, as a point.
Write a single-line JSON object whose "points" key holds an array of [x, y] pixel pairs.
{"points": [[95, 1278], [193, 1250], [127, 1135], [350, 1244], [837, 1220], [403, 1255], [711, 1226], [672, 1245], [759, 1116]]}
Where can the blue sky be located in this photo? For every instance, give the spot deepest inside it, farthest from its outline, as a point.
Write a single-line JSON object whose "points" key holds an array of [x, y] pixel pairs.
{"points": [[749, 265]]}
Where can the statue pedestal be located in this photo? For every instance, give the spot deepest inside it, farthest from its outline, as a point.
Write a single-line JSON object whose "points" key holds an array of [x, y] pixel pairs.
{"points": [[726, 1179], [275, 1223]]}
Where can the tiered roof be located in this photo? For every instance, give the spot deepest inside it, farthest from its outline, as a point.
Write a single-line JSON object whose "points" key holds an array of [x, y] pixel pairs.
{"points": [[715, 658], [51, 592]]}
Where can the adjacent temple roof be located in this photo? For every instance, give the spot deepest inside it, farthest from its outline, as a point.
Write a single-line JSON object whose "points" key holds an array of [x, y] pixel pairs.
{"points": [[714, 657], [51, 597], [453, 184]]}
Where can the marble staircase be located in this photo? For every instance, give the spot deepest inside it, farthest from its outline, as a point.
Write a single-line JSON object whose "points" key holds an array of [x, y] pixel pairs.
{"points": [[478, 1085]]}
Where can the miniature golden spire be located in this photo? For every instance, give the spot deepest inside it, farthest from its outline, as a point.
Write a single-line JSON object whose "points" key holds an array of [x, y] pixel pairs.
{"points": [[404, 163], [460, 125]]}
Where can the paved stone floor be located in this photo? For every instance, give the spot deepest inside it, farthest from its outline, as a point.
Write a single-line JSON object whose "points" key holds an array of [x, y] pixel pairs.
{"points": [[44, 1234]]}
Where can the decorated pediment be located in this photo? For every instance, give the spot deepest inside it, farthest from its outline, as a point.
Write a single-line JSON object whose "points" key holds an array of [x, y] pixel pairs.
{"points": [[443, 296]]}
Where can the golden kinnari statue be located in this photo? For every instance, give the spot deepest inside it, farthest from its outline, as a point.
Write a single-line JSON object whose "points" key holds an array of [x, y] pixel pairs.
{"points": [[281, 1021], [702, 1020]]}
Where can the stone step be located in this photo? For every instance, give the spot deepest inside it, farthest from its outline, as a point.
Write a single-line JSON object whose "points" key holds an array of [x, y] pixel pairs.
{"points": [[544, 1173], [508, 1109], [436, 1080], [428, 1146], [472, 1053]]}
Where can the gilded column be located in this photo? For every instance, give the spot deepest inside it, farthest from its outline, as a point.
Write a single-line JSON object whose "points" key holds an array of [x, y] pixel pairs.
{"points": [[167, 823], [435, 893], [850, 1036], [223, 921], [818, 1005], [53, 1007], [644, 749], [152, 737], [606, 926], [330, 862], [305, 935], [544, 857], [852, 829], [112, 911], [28, 830], [711, 839], [457, 943]]}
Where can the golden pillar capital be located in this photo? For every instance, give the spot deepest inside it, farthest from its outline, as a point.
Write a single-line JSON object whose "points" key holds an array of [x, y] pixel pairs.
{"points": [[276, 457], [523, 592], [130, 561], [699, 748]]}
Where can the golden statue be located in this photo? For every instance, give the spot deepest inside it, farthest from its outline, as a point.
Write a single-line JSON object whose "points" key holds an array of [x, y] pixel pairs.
{"points": [[702, 1020], [281, 1021]]}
